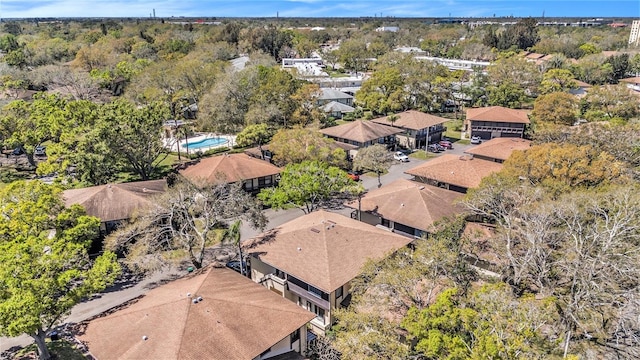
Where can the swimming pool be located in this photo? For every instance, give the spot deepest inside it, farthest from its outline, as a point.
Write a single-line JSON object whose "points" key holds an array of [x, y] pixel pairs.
{"points": [[205, 143]]}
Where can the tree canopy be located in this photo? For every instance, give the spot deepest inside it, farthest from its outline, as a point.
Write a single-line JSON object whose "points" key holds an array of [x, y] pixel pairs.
{"points": [[306, 185], [184, 223], [45, 268]]}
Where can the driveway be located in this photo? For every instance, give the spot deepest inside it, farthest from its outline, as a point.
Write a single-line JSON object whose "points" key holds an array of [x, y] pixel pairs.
{"points": [[115, 296]]}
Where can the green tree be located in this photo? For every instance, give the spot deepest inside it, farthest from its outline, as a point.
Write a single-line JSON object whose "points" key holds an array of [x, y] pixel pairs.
{"points": [[29, 124], [45, 268], [557, 80], [183, 224], [305, 185], [375, 158], [383, 92], [489, 323], [255, 134], [507, 94], [133, 134], [303, 144], [353, 55], [558, 108], [608, 102]]}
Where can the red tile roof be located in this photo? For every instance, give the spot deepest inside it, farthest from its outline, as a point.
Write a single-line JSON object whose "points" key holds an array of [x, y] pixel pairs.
{"points": [[236, 319], [498, 114]]}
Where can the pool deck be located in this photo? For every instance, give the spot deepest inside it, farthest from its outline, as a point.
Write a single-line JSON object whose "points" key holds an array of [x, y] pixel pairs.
{"points": [[171, 144]]}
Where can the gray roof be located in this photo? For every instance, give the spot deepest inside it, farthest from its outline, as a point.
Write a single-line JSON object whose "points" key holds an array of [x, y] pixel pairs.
{"points": [[329, 94], [335, 106]]}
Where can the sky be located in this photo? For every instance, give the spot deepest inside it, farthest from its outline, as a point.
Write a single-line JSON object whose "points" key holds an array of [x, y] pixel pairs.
{"points": [[319, 8]]}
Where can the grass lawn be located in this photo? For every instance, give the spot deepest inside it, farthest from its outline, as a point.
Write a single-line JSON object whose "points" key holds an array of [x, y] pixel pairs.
{"points": [[422, 155], [336, 74], [454, 128], [61, 349]]}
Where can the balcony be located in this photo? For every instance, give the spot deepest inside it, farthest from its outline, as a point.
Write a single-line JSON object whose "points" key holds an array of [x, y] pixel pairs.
{"points": [[303, 293]]}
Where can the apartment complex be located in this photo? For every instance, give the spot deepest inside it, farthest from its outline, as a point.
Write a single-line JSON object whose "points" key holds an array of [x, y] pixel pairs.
{"points": [[634, 37]]}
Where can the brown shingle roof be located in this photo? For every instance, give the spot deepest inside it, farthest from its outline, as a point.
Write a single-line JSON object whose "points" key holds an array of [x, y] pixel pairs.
{"points": [[631, 80], [410, 203], [230, 168], [412, 119], [236, 319], [360, 131], [115, 201], [463, 171], [498, 114], [533, 56], [324, 249], [582, 84], [499, 148]]}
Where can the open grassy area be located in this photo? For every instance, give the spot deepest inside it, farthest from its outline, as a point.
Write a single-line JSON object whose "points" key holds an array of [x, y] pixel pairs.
{"points": [[60, 349], [422, 155], [454, 128]]}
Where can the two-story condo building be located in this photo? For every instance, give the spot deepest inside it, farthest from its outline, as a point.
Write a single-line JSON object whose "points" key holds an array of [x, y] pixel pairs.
{"points": [[419, 129], [496, 121], [313, 259]]}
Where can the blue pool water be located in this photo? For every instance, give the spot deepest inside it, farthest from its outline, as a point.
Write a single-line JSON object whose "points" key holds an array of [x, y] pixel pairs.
{"points": [[205, 143]]}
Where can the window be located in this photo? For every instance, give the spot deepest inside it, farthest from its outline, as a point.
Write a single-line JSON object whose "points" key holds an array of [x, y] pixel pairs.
{"points": [[295, 336], [339, 292], [315, 291], [316, 310]]}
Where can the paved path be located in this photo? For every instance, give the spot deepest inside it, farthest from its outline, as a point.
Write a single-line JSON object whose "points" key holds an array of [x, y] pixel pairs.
{"points": [[118, 295]]}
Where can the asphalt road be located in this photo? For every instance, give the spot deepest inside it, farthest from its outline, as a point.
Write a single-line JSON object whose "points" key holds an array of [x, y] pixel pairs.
{"points": [[117, 295]]}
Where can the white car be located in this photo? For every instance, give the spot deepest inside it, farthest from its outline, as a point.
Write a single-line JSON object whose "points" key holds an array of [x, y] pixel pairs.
{"points": [[400, 156], [476, 140]]}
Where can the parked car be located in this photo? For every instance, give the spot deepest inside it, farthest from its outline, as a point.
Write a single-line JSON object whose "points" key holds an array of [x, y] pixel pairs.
{"points": [[446, 144], [434, 148], [235, 265], [17, 151], [400, 156], [353, 175], [40, 151], [440, 147], [476, 140]]}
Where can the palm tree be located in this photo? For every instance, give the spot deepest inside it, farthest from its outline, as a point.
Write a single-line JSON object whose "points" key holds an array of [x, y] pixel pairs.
{"points": [[232, 237]]}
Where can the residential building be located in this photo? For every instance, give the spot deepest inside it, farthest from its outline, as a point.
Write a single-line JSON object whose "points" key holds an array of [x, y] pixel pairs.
{"points": [[406, 207], [213, 314], [418, 128], [453, 172], [633, 83], [496, 121], [388, 28], [634, 36], [410, 50], [254, 174], [498, 149], [332, 95], [457, 64], [114, 203], [337, 109], [581, 89], [335, 103], [313, 259], [363, 133]]}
